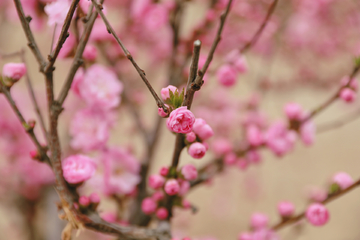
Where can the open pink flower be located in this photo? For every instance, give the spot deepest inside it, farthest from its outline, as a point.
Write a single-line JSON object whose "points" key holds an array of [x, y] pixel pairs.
{"points": [[181, 120], [57, 11], [78, 168], [172, 187]]}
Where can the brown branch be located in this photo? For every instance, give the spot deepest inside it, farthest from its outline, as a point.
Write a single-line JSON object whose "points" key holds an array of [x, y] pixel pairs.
{"points": [[62, 38], [31, 40], [338, 123], [141, 72], [330, 198], [258, 33], [334, 97], [199, 79], [33, 98], [78, 61]]}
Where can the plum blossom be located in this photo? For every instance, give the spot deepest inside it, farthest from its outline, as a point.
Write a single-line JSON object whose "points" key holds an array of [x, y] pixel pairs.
{"points": [[202, 129], [78, 168], [189, 172], [317, 214], [279, 139], [14, 71], [121, 171], [57, 11], [165, 91], [227, 75], [197, 150], [181, 120], [342, 179]]}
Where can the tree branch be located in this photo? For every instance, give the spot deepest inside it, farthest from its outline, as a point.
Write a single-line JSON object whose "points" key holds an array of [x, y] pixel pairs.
{"points": [[258, 33], [141, 72], [338, 123]]}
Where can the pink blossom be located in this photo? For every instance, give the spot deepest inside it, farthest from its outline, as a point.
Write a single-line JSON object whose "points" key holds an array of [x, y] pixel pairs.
{"points": [[90, 129], [109, 217], [78, 168], [230, 158], [307, 132], [186, 204], [184, 188], [191, 137], [254, 136], [14, 71], [294, 111], [245, 236], [202, 129], [354, 85], [165, 91], [197, 150], [259, 220], [90, 52], [242, 164], [317, 214], [221, 146], [343, 180], [161, 112], [237, 60], [156, 17], [148, 206], [348, 95], [226, 75], [189, 172], [57, 11], [100, 87], [253, 156], [84, 201], [94, 198], [164, 171], [157, 196], [156, 181], [286, 209], [181, 120], [279, 139], [172, 187], [121, 171], [162, 213], [316, 194]]}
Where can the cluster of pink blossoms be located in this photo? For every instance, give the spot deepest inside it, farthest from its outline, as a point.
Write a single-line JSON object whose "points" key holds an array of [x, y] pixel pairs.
{"points": [[235, 64], [182, 120], [167, 184]]}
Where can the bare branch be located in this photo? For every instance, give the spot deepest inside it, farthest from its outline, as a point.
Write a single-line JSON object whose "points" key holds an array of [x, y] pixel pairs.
{"points": [[62, 38], [141, 72], [32, 44], [258, 33]]}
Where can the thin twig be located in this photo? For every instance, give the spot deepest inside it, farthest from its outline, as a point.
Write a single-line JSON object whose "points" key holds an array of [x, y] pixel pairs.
{"points": [[199, 79], [338, 123], [62, 38], [330, 198], [33, 98], [258, 33], [141, 72], [31, 40]]}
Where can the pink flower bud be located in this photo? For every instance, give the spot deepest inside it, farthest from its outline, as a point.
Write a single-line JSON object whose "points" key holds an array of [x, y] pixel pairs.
{"points": [[221, 146], [109, 217], [343, 180], [203, 130], [165, 91], [162, 213], [316, 194], [245, 236], [94, 198], [227, 75], [190, 137], [34, 154], [286, 209], [293, 111], [84, 201], [353, 84], [186, 204], [164, 171], [148, 206], [90, 52], [172, 187], [78, 168], [157, 196], [254, 136], [156, 181], [347, 95], [189, 172], [237, 60], [197, 150], [161, 112], [259, 220], [184, 188], [230, 158], [181, 120], [242, 163], [14, 71], [317, 214]]}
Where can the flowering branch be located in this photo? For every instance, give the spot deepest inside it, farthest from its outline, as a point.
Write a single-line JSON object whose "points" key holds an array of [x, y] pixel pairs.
{"points": [[330, 198], [258, 33], [141, 72]]}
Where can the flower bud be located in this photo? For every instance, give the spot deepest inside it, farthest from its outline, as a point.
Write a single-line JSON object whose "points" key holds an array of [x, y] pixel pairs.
{"points": [[172, 187], [148, 206], [189, 172], [162, 213], [317, 214], [197, 150], [286, 209]]}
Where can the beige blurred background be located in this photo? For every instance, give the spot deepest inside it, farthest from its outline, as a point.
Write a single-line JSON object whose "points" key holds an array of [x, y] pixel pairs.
{"points": [[226, 205]]}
